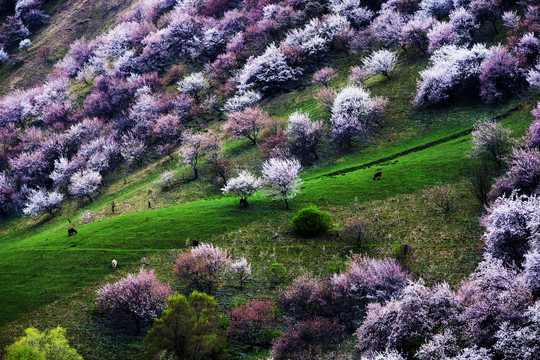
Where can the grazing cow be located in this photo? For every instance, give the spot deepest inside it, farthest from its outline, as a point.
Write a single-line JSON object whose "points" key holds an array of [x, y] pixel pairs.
{"points": [[378, 175], [195, 243], [71, 231], [114, 264], [406, 249]]}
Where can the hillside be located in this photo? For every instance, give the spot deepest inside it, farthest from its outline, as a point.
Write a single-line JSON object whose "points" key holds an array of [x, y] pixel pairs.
{"points": [[130, 136]]}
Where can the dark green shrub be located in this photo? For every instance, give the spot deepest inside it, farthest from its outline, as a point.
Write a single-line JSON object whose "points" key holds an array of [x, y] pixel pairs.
{"points": [[312, 221], [275, 274]]}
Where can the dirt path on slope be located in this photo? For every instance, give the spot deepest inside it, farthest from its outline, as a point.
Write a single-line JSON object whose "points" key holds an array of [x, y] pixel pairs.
{"points": [[419, 148]]}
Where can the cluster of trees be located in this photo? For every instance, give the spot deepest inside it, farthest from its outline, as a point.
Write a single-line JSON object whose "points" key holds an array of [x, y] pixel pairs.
{"points": [[27, 15], [239, 52]]}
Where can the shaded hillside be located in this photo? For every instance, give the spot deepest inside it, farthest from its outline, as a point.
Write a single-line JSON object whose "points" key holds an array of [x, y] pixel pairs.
{"points": [[69, 20]]}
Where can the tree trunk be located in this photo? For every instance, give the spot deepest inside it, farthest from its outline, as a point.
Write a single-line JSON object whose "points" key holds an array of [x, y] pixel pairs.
{"points": [[286, 203]]}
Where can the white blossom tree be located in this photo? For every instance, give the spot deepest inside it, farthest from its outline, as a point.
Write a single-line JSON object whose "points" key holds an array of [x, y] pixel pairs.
{"points": [[380, 62], [84, 183], [282, 179], [353, 112], [193, 84], [243, 186], [132, 148], [42, 200], [241, 270]]}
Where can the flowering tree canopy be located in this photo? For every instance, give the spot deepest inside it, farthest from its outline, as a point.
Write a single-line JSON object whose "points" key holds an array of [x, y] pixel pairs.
{"points": [[244, 185], [140, 296], [42, 200], [281, 176]]}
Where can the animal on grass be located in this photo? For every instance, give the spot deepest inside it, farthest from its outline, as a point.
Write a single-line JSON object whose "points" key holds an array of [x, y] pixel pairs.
{"points": [[114, 264], [71, 231], [195, 243], [378, 175]]}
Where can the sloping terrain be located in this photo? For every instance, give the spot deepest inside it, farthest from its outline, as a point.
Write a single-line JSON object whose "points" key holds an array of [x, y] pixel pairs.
{"points": [[69, 20]]}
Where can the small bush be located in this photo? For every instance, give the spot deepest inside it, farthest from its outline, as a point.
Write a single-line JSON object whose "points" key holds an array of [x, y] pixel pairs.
{"points": [[312, 221], [276, 274], [441, 198]]}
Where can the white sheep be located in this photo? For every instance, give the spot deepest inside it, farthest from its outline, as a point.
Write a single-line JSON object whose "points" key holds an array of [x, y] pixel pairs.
{"points": [[114, 264]]}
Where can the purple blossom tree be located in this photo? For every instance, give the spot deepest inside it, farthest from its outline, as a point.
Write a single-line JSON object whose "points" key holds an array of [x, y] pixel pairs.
{"points": [[42, 200], [493, 295], [142, 297], [281, 177], [365, 280], [441, 34], [522, 175], [414, 34], [487, 11], [243, 186], [501, 76], [520, 342], [304, 134], [492, 141]]}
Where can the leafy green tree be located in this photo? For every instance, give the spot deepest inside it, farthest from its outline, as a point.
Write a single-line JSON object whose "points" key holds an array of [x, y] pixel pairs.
{"points": [[189, 329], [46, 345]]}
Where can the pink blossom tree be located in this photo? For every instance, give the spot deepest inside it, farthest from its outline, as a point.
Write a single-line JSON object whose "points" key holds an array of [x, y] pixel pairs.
{"points": [[140, 296], [202, 267], [250, 321], [281, 177], [323, 76], [246, 123]]}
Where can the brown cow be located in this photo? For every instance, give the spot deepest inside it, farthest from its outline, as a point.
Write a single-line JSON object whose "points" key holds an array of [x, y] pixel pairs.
{"points": [[71, 231], [378, 175]]}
